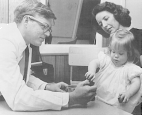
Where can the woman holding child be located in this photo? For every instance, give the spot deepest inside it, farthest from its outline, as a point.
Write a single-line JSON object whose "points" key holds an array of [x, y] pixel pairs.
{"points": [[115, 22], [118, 78], [111, 17]]}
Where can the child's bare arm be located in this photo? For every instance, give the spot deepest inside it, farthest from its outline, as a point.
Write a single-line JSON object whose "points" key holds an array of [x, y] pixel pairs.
{"points": [[133, 89], [135, 86], [93, 65], [141, 60]]}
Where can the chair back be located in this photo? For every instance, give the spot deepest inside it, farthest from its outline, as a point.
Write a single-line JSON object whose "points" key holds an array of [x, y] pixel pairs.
{"points": [[81, 56]]}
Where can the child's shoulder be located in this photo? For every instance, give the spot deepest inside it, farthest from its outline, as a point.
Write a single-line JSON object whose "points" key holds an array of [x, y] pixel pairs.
{"points": [[103, 54], [104, 57], [133, 69], [132, 65]]}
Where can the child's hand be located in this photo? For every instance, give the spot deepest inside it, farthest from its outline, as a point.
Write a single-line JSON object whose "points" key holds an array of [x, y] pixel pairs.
{"points": [[90, 76], [123, 97]]}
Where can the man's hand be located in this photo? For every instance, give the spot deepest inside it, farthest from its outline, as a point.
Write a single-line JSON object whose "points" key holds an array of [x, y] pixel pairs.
{"points": [[82, 94], [56, 87]]}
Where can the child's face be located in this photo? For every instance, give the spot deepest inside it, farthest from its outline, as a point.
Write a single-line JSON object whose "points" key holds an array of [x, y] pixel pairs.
{"points": [[119, 56]]}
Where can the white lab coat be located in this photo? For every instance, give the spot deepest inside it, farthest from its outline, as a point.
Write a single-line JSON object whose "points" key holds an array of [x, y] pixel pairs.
{"points": [[21, 96]]}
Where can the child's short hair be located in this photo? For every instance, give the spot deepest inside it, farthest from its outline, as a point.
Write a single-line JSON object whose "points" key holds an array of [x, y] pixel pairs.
{"points": [[124, 38]]}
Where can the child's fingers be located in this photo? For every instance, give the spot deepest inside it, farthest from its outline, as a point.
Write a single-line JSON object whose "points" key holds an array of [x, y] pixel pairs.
{"points": [[89, 78], [125, 100], [121, 98], [86, 75], [93, 78]]}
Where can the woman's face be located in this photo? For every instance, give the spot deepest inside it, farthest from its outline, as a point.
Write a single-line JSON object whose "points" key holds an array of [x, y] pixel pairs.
{"points": [[107, 22]]}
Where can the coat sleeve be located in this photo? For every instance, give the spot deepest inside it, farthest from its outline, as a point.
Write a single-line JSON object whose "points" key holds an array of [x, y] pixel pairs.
{"points": [[36, 83], [18, 95]]}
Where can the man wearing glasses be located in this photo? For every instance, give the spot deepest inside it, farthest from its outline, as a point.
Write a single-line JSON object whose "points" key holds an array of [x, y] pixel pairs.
{"points": [[22, 91]]}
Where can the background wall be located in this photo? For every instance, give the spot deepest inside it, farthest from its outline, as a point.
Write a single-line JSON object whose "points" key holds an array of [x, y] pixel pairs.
{"points": [[7, 8], [135, 7], [84, 30], [66, 12], [74, 19], [4, 13]]}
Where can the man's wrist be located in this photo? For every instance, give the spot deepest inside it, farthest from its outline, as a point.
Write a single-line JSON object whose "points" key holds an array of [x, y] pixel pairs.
{"points": [[45, 87], [72, 100], [48, 86]]}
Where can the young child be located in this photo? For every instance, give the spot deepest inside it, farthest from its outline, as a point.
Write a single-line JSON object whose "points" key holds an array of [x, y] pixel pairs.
{"points": [[118, 78]]}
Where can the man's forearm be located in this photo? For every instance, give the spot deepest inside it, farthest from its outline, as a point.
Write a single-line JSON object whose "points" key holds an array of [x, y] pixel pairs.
{"points": [[36, 83], [72, 100]]}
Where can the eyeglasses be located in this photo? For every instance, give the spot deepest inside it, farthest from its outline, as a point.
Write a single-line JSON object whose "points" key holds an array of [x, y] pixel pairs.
{"points": [[44, 27]]}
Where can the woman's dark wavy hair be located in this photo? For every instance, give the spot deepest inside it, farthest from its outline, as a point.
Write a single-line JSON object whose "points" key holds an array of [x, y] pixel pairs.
{"points": [[120, 14]]}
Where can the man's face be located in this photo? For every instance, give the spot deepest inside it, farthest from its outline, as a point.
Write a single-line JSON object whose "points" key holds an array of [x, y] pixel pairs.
{"points": [[107, 22], [37, 30]]}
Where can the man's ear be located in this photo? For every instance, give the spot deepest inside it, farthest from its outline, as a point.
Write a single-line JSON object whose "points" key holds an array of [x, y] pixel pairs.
{"points": [[25, 19]]}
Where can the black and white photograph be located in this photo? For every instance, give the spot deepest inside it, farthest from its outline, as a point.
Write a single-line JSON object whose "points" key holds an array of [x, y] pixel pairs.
{"points": [[70, 57]]}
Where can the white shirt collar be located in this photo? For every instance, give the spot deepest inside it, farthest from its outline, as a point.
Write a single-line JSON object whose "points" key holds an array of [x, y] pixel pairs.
{"points": [[18, 36]]}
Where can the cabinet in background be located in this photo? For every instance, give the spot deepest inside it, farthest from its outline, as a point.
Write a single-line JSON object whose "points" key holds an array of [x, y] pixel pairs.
{"points": [[62, 68]]}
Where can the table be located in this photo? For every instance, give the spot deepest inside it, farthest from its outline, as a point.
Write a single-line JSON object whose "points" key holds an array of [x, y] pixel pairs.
{"points": [[93, 108]]}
